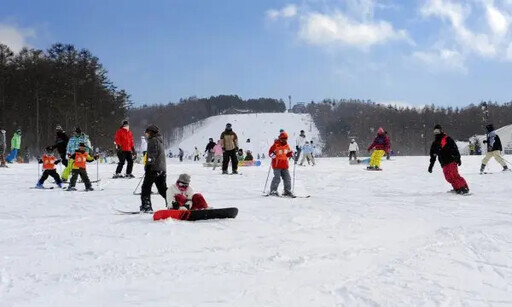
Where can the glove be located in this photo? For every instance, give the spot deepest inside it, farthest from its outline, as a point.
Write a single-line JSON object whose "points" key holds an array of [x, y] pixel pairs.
{"points": [[175, 205], [96, 156], [272, 155], [297, 147], [430, 168]]}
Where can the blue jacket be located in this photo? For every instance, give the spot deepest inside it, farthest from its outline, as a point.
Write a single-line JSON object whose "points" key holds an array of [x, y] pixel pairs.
{"points": [[74, 141]]}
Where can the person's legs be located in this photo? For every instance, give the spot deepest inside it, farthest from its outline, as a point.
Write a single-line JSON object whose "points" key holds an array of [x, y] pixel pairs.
{"points": [[129, 159], [55, 176], [287, 180], [67, 170], [12, 156], [225, 161], [145, 195], [274, 184], [198, 202], [45, 175], [120, 164], [234, 161]]}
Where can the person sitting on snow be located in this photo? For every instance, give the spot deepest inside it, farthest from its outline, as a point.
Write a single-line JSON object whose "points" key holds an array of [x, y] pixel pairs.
{"points": [[181, 196], [248, 156]]}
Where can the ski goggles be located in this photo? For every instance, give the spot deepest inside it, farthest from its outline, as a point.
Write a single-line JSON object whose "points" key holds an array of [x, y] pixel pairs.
{"points": [[182, 184]]}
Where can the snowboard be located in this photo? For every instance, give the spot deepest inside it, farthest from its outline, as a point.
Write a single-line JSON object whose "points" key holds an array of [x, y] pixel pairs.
{"points": [[281, 196], [373, 169], [196, 215], [249, 163]]}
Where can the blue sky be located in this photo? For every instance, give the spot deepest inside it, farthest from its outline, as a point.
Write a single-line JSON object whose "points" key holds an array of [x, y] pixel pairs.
{"points": [[413, 52]]}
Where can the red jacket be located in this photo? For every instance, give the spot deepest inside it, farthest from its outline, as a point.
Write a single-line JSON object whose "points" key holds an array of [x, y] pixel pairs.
{"points": [[282, 153], [124, 138], [381, 142]]}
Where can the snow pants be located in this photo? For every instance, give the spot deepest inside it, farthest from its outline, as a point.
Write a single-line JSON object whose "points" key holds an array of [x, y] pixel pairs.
{"points": [[496, 154], [159, 179], [376, 157], [67, 170], [83, 174], [198, 202], [50, 172], [209, 157], [352, 154], [125, 156], [229, 154], [12, 155], [216, 161], [451, 174], [285, 174], [308, 157]]}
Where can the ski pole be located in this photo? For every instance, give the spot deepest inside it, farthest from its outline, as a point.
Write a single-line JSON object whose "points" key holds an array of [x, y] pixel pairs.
{"points": [[97, 167], [506, 160], [268, 174], [140, 181], [293, 186]]}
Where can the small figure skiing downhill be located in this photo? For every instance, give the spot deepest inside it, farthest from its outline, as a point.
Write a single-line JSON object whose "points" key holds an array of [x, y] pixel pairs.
{"points": [[280, 152], [49, 161], [494, 149], [78, 161], [381, 146], [445, 150]]}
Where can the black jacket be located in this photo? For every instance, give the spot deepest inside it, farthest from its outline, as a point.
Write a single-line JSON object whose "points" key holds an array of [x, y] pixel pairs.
{"points": [[209, 146], [444, 149], [156, 154], [61, 142], [493, 142]]}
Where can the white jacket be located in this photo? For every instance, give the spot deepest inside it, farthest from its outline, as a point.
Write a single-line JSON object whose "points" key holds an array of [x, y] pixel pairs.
{"points": [[174, 190], [143, 144], [353, 147], [301, 140]]}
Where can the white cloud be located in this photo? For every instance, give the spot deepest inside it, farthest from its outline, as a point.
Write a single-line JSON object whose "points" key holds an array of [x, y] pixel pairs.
{"points": [[337, 28], [286, 12], [15, 38], [497, 21], [442, 60]]}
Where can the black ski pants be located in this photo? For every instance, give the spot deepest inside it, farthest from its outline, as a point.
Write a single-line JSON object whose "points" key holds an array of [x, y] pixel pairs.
{"points": [[125, 156], [229, 154], [50, 172], [352, 154], [83, 174], [159, 178]]}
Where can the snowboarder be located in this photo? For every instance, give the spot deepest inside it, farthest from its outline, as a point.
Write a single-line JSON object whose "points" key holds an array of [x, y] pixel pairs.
{"points": [[217, 154], [3, 145], [381, 145], [155, 169], [307, 154], [73, 145], [49, 161], [196, 154], [279, 152], [61, 142], [180, 155], [445, 150], [182, 197], [15, 146], [299, 143], [494, 149], [352, 150], [229, 142], [209, 150], [78, 162], [125, 150]]}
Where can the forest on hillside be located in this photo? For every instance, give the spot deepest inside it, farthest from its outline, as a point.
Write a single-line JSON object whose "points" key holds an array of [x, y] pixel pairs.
{"points": [[40, 89], [409, 129]]}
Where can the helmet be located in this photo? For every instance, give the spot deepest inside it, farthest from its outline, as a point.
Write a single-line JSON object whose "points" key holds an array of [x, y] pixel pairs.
{"points": [[283, 136]]}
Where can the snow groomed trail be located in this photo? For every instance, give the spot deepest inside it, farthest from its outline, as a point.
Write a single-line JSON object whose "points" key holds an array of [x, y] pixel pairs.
{"points": [[390, 238]]}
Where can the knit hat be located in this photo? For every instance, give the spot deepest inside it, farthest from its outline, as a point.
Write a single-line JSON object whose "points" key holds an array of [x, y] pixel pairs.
{"points": [[228, 126], [438, 129], [152, 128], [380, 130], [124, 123], [489, 127], [185, 178], [283, 136]]}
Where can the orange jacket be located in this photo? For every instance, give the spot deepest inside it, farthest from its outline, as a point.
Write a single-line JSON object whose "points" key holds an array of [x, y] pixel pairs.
{"points": [[48, 162], [281, 153], [80, 158]]}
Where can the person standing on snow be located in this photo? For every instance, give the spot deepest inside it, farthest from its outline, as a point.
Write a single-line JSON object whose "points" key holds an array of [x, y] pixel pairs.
{"points": [[3, 145], [196, 154], [209, 150], [78, 161], [381, 145], [180, 154], [182, 197], [15, 146], [73, 145], [299, 143], [217, 154], [494, 149], [61, 143], [125, 150], [229, 143], [446, 151], [155, 168], [49, 162], [352, 150], [279, 152], [307, 154]]}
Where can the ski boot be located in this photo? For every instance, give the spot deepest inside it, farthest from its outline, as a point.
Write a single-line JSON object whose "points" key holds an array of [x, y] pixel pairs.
{"points": [[129, 176], [117, 175], [71, 189], [59, 185], [146, 205], [273, 193], [39, 186], [225, 173], [288, 194], [482, 168], [505, 168], [234, 173], [88, 189], [462, 191]]}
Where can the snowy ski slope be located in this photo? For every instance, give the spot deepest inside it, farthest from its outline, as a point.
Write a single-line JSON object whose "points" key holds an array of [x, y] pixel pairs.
{"points": [[390, 238], [260, 128]]}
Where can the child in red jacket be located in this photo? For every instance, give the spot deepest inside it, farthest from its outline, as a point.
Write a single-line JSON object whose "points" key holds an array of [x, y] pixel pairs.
{"points": [[280, 152]]}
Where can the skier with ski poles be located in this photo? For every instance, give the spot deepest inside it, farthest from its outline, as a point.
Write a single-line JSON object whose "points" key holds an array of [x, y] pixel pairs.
{"points": [[78, 162], [279, 152], [446, 151], [49, 161]]}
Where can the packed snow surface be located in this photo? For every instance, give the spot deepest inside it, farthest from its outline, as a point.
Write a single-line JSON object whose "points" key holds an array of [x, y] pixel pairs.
{"points": [[390, 238], [260, 128]]}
